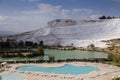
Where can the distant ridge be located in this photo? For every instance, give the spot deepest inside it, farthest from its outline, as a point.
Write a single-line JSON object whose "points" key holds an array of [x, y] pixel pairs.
{"points": [[6, 33]]}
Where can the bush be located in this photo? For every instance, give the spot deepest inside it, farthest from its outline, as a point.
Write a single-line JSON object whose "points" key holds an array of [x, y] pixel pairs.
{"points": [[116, 79], [116, 58], [110, 57]]}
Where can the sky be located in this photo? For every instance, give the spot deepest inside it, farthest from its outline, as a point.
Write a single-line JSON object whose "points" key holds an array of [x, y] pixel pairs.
{"points": [[27, 15]]}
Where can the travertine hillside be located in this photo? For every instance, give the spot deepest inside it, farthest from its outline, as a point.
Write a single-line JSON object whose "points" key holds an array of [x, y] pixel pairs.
{"points": [[78, 33]]}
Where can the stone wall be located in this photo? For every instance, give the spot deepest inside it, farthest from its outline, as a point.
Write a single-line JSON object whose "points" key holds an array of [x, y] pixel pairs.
{"points": [[61, 22]]}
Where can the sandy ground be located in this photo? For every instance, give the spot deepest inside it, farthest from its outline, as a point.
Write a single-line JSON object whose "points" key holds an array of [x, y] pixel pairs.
{"points": [[106, 72]]}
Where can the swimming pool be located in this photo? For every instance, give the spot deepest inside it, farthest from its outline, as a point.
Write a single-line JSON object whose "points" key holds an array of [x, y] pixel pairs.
{"points": [[13, 76], [66, 69]]}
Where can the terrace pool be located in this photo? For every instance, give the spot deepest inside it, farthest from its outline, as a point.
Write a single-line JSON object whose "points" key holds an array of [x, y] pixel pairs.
{"points": [[66, 69], [12, 76], [61, 55]]}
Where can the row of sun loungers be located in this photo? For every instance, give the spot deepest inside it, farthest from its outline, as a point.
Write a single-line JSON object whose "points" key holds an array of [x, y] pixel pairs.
{"points": [[51, 76], [68, 77], [105, 73]]}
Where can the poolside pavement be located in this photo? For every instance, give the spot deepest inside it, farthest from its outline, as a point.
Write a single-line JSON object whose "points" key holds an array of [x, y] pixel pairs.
{"points": [[106, 72]]}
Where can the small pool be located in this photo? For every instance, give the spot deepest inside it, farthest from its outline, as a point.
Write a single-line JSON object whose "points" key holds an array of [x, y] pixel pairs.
{"points": [[66, 69], [12, 76]]}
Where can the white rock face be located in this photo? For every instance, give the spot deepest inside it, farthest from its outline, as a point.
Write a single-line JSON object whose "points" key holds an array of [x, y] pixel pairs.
{"points": [[79, 33]]}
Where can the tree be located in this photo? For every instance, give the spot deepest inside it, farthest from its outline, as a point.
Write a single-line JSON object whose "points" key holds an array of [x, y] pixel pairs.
{"points": [[35, 44], [28, 43], [1, 46], [57, 20], [109, 17], [91, 46], [7, 44], [21, 44], [51, 58], [102, 17], [29, 49], [41, 43], [40, 50]]}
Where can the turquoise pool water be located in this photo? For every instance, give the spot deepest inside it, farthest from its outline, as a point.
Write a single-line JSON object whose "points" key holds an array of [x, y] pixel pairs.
{"points": [[13, 76], [66, 69]]}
